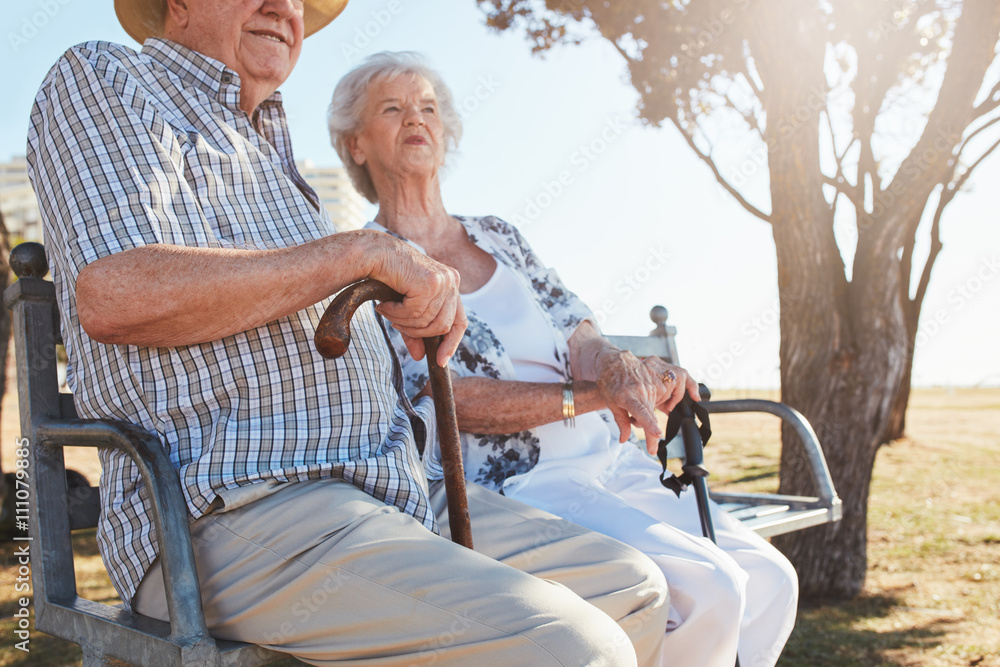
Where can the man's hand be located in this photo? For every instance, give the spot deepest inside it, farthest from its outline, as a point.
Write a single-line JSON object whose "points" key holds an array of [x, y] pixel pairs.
{"points": [[431, 305]]}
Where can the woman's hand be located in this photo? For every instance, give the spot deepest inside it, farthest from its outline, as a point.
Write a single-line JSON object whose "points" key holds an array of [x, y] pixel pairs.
{"points": [[676, 381], [631, 388], [634, 387], [631, 392]]}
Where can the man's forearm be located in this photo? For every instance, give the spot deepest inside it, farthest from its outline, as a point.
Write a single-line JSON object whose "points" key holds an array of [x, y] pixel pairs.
{"points": [[163, 295]]}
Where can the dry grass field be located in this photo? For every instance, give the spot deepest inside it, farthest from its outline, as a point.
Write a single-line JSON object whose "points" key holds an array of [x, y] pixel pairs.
{"points": [[932, 595]]}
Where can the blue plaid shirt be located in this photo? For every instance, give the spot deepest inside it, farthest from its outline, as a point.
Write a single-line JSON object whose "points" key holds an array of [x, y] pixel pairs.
{"points": [[127, 149]]}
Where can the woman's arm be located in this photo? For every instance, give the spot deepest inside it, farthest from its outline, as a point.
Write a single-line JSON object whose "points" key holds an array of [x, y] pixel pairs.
{"points": [[489, 406]]}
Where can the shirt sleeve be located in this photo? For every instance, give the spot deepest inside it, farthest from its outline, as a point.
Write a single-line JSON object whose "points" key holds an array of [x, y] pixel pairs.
{"points": [[106, 167], [415, 374]]}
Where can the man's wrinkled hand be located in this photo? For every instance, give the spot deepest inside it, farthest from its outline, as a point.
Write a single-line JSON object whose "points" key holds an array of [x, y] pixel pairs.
{"points": [[431, 304]]}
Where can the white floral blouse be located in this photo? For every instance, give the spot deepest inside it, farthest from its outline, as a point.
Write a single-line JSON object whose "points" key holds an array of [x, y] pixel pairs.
{"points": [[492, 459]]}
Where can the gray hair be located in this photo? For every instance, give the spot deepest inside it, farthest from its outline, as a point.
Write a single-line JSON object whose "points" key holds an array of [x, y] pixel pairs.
{"points": [[351, 96]]}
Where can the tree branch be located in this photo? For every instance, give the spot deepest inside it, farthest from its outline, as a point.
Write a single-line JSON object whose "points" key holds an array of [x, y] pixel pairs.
{"points": [[718, 175], [948, 193], [991, 102], [748, 117], [957, 185], [972, 134], [839, 180]]}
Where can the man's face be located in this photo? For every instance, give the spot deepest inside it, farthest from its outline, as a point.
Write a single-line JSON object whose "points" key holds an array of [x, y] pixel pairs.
{"points": [[260, 39]]}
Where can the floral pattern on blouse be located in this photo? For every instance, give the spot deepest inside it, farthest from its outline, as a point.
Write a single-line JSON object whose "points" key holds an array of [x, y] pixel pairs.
{"points": [[492, 459]]}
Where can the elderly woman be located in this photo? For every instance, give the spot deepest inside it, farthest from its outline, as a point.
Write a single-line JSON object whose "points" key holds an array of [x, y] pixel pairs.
{"points": [[545, 403]]}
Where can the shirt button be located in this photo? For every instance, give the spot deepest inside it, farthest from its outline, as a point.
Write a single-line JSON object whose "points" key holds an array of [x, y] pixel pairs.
{"points": [[227, 78]]}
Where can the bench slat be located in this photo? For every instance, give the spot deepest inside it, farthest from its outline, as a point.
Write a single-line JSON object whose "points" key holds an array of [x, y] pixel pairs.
{"points": [[754, 511], [789, 521]]}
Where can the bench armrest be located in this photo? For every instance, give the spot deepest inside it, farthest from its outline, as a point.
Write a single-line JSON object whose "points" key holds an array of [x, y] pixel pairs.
{"points": [[801, 427], [170, 515]]}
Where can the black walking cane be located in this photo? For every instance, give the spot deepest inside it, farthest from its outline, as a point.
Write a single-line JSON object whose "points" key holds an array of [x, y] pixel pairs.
{"points": [[333, 335], [694, 437]]}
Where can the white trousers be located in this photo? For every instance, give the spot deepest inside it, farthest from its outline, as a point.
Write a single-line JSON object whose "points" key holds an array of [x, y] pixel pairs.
{"points": [[740, 594]]}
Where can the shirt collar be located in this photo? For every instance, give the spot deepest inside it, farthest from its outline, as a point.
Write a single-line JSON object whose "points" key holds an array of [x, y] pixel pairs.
{"points": [[208, 74]]}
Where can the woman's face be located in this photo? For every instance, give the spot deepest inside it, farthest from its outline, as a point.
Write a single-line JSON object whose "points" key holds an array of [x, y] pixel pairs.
{"points": [[401, 132]]}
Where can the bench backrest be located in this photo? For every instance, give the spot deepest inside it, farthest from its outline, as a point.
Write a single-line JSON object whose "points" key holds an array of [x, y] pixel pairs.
{"points": [[107, 634]]}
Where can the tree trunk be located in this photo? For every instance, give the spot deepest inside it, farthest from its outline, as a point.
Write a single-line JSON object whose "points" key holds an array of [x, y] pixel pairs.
{"points": [[897, 417], [932, 163], [840, 343], [845, 346], [848, 405]]}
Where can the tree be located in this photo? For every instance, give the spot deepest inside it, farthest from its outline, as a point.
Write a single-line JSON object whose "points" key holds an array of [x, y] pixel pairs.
{"points": [[869, 118]]}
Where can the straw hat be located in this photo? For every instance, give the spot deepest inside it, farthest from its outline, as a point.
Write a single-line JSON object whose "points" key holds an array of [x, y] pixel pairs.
{"points": [[144, 18]]}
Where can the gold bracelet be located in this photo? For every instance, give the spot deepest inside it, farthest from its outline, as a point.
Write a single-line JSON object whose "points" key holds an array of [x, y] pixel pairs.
{"points": [[568, 405]]}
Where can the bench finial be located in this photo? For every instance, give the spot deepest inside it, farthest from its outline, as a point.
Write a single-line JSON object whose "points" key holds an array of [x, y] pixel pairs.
{"points": [[659, 316], [27, 260]]}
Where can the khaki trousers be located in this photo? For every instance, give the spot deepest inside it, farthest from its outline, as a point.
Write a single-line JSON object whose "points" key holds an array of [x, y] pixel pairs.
{"points": [[325, 572]]}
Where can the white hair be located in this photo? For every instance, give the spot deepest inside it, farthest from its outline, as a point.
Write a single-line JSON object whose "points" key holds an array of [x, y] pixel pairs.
{"points": [[350, 97]]}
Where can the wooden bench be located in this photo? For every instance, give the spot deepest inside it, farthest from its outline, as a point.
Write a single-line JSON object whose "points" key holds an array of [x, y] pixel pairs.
{"points": [[766, 513], [107, 634]]}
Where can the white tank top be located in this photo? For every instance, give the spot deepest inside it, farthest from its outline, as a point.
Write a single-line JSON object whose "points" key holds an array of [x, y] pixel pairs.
{"points": [[506, 307], [513, 316]]}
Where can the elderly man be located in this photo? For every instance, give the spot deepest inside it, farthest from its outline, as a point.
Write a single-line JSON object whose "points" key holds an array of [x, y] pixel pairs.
{"points": [[192, 263]]}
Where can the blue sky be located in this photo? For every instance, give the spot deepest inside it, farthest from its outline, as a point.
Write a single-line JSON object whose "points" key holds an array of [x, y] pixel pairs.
{"points": [[624, 211]]}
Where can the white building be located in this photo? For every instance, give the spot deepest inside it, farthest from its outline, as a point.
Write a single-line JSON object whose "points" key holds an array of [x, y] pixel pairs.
{"points": [[344, 204], [17, 201], [20, 209]]}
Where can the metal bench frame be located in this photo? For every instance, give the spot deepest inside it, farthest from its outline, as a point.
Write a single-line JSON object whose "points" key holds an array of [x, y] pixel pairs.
{"points": [[107, 634], [768, 514]]}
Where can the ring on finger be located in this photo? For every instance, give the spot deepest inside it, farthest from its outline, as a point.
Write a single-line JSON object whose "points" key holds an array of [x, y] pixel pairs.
{"points": [[669, 377]]}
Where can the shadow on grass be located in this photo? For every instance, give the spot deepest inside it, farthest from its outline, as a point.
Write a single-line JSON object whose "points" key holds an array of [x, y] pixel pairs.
{"points": [[85, 543], [755, 477], [841, 633]]}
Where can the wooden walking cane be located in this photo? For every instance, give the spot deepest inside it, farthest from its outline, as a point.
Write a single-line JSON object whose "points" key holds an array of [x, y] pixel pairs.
{"points": [[333, 335]]}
